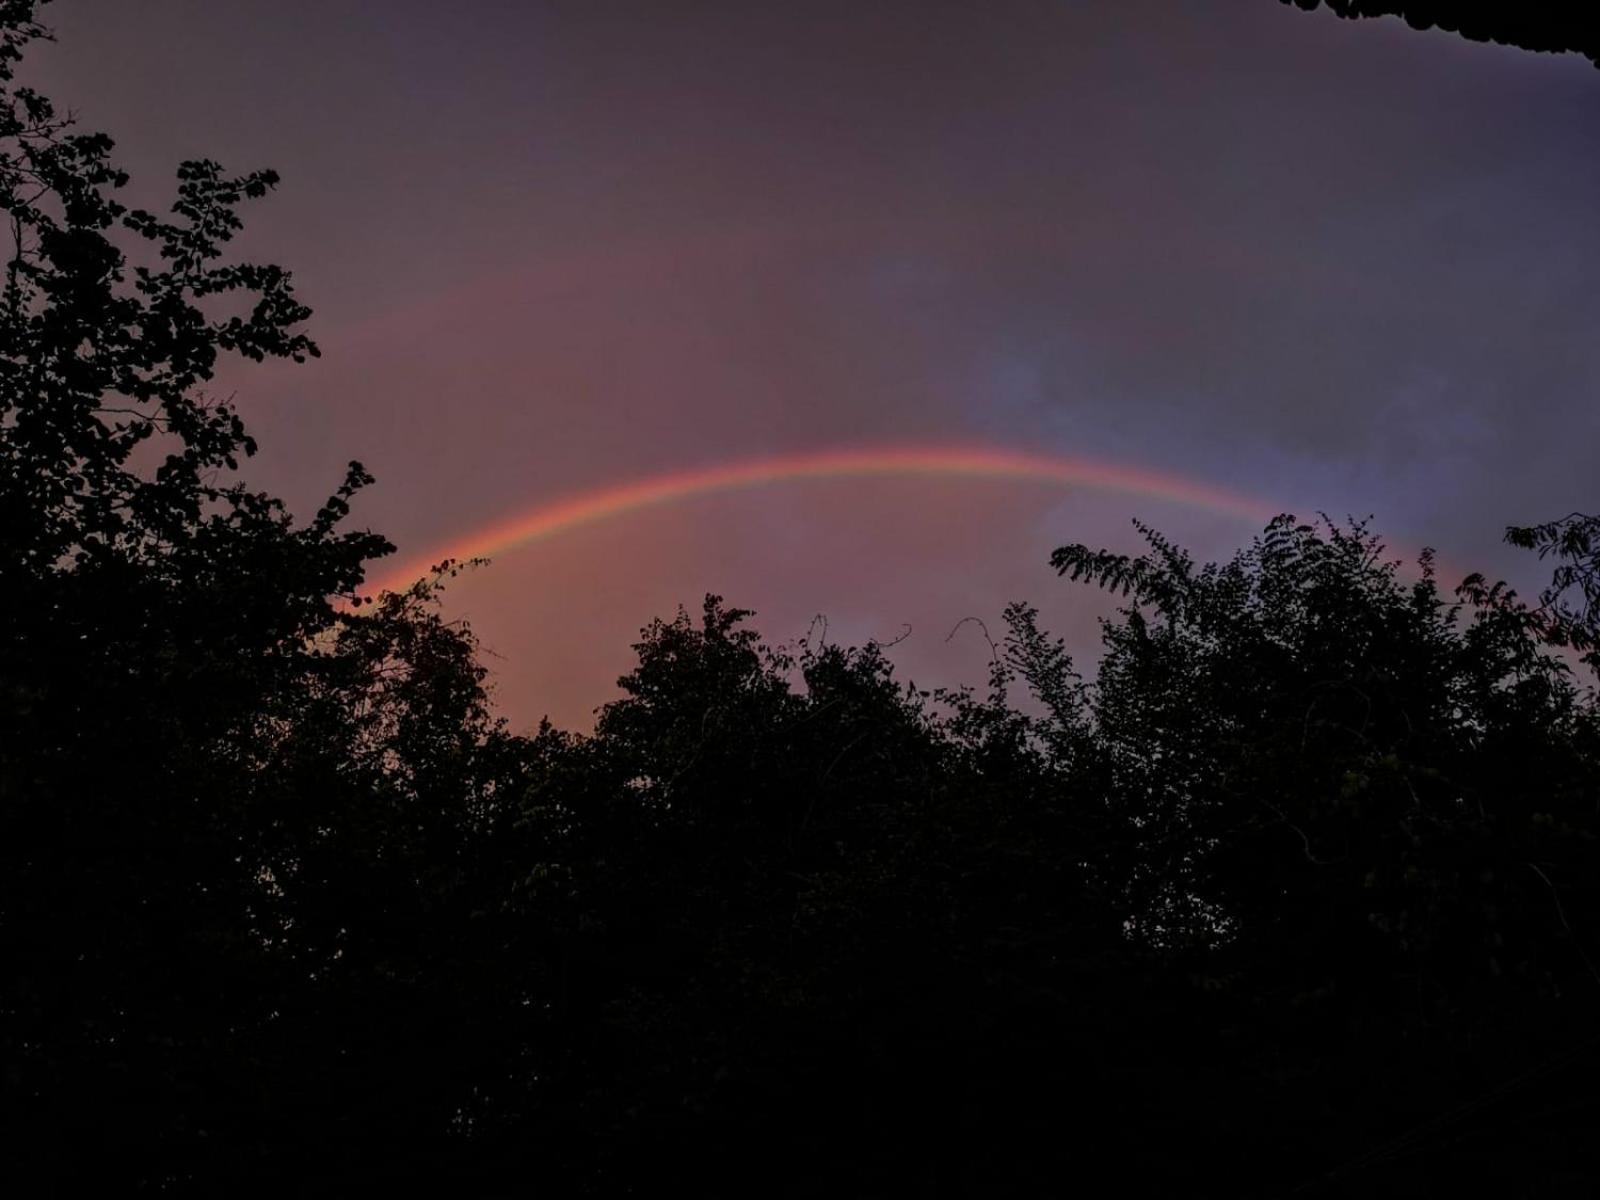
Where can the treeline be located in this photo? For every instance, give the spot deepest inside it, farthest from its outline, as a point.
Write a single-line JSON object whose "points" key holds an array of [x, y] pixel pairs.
{"points": [[1298, 893]]}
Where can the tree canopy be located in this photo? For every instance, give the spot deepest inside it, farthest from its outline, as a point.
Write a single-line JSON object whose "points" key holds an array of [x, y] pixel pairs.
{"points": [[1540, 25]]}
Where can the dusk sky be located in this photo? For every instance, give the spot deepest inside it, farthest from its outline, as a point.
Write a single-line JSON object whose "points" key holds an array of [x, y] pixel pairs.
{"points": [[560, 247]]}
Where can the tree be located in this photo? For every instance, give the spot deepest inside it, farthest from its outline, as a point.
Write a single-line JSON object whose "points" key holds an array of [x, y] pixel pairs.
{"points": [[1366, 816], [1569, 607], [1547, 25], [233, 803], [815, 925]]}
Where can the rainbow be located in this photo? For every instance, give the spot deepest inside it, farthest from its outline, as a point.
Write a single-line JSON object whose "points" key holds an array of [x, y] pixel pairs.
{"points": [[572, 512]]}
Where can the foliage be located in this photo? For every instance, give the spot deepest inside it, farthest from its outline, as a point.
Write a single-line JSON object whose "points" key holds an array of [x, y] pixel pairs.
{"points": [[1569, 608], [1545, 25], [224, 798]]}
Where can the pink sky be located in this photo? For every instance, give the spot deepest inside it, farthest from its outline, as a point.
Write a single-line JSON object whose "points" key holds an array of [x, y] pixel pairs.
{"points": [[555, 247]]}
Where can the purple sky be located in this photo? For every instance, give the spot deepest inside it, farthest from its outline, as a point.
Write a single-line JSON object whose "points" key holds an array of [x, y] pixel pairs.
{"points": [[552, 246]]}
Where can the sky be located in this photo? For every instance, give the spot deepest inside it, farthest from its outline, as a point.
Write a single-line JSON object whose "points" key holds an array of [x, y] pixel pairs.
{"points": [[554, 248]]}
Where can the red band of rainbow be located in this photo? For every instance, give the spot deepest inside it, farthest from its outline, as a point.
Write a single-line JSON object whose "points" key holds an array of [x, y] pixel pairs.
{"points": [[604, 503]]}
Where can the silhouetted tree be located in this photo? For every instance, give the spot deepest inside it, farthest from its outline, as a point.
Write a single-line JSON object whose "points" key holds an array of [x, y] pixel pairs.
{"points": [[1542, 25], [1366, 818], [1569, 607], [814, 927], [227, 805]]}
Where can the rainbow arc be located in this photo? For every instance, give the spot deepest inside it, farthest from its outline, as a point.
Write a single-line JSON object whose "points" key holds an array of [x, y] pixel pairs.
{"points": [[566, 514]]}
